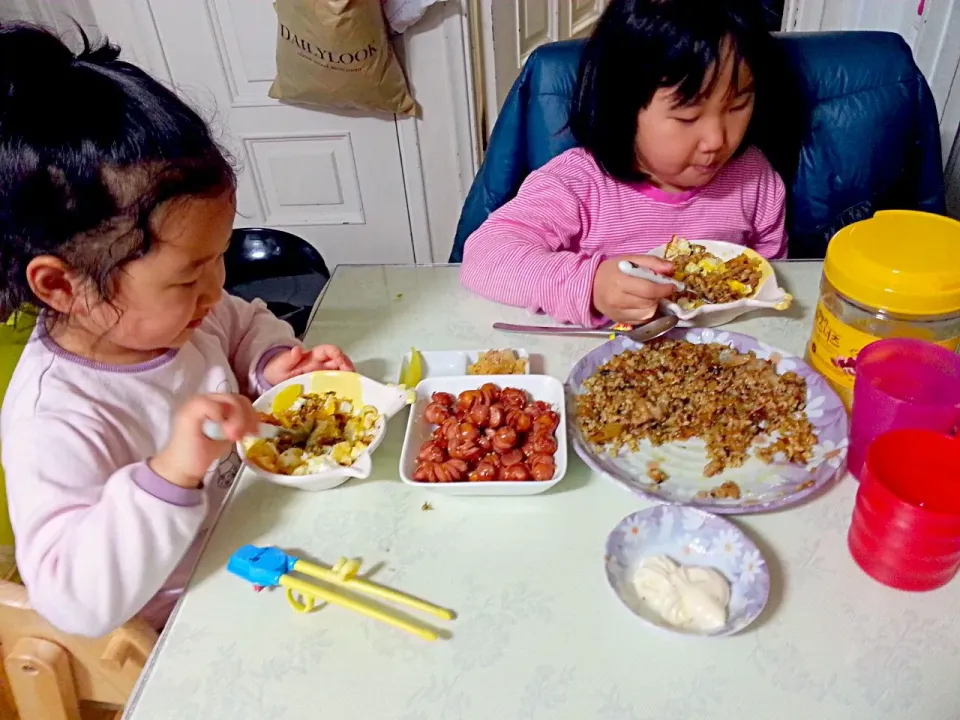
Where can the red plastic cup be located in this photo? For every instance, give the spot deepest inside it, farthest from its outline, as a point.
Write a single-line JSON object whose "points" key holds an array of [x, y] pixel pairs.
{"points": [[905, 530], [902, 383]]}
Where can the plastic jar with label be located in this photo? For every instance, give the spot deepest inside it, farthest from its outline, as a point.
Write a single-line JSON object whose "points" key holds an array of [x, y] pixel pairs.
{"points": [[894, 275]]}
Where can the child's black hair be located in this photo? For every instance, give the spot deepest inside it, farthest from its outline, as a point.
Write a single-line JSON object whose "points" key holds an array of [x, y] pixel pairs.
{"points": [[640, 46], [90, 146]]}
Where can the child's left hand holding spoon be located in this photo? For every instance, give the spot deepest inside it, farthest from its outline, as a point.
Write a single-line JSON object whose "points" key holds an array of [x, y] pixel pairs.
{"points": [[297, 361]]}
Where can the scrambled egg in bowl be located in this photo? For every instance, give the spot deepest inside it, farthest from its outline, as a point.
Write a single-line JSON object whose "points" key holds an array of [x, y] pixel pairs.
{"points": [[709, 279], [325, 431]]}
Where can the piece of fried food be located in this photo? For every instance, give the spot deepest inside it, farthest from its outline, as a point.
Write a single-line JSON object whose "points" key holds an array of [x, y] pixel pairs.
{"points": [[498, 362]]}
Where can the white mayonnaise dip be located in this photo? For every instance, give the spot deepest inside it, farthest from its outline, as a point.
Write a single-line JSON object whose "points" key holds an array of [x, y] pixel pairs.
{"points": [[685, 596]]}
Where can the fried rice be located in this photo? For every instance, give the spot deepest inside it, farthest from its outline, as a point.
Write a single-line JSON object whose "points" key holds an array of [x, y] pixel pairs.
{"points": [[672, 391]]}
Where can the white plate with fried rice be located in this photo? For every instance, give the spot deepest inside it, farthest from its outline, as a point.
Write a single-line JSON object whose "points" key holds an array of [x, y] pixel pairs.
{"points": [[708, 418]]}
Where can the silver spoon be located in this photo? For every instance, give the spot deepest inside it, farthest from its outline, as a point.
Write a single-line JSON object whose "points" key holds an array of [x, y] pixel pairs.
{"points": [[644, 333]]}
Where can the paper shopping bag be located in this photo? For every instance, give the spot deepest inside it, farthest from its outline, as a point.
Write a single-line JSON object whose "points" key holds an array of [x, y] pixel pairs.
{"points": [[337, 54]]}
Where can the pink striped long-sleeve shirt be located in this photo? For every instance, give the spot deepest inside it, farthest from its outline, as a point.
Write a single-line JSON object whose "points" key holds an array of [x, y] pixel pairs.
{"points": [[541, 249]]}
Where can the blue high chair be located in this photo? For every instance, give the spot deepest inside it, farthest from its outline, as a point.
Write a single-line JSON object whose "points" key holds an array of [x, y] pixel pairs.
{"points": [[855, 131]]}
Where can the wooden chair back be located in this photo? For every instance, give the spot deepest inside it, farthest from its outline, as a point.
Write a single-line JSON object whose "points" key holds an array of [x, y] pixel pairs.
{"points": [[49, 675]]}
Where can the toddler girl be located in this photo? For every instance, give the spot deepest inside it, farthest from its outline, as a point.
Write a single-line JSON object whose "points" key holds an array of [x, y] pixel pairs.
{"points": [[664, 97], [116, 207]]}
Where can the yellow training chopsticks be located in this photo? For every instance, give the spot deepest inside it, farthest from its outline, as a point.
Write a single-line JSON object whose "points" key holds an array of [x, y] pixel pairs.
{"points": [[271, 567]]}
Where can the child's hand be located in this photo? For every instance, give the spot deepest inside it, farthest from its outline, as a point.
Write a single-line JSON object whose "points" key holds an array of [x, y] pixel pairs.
{"points": [[297, 361], [189, 454], [626, 299]]}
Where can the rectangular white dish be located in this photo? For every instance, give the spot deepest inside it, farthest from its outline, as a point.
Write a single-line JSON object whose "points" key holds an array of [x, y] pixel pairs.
{"points": [[450, 363], [539, 387]]}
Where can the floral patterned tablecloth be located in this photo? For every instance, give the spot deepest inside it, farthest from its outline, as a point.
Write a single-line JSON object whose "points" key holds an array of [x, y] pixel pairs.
{"points": [[540, 635]]}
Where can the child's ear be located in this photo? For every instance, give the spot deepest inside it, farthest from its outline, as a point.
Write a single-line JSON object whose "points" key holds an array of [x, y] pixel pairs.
{"points": [[54, 284]]}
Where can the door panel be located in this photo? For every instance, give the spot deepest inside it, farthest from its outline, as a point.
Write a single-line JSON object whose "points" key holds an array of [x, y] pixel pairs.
{"points": [[518, 27], [579, 16], [334, 179]]}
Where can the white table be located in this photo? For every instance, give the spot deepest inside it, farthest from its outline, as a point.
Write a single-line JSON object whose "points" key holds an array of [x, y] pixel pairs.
{"points": [[539, 633]]}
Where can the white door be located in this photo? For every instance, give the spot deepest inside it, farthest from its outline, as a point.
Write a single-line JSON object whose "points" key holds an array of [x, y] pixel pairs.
{"points": [[333, 179], [512, 29]]}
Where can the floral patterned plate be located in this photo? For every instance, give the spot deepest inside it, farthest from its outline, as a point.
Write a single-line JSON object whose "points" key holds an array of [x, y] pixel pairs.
{"points": [[763, 486], [691, 537]]}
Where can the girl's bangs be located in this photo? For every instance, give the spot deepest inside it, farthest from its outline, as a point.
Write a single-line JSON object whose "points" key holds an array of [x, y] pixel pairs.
{"points": [[695, 71]]}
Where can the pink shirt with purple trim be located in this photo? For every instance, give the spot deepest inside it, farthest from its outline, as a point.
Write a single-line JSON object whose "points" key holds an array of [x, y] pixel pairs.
{"points": [[541, 249], [100, 537]]}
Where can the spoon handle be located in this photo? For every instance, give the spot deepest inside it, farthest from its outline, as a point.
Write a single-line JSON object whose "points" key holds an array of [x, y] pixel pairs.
{"points": [[551, 330], [213, 431], [629, 268]]}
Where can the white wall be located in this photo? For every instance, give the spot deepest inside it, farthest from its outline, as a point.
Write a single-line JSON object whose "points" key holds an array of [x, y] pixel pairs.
{"points": [[436, 56]]}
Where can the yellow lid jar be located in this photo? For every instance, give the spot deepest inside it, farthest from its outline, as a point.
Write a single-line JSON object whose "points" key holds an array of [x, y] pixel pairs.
{"points": [[894, 275]]}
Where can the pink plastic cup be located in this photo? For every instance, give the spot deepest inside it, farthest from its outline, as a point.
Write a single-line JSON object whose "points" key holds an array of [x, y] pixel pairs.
{"points": [[905, 530], [902, 383]]}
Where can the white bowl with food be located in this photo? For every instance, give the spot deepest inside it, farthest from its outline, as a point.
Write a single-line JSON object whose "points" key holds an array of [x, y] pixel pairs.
{"points": [[491, 435], [726, 280], [330, 423]]}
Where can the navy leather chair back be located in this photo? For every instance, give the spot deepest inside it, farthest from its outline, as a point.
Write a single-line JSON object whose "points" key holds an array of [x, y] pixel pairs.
{"points": [[855, 131]]}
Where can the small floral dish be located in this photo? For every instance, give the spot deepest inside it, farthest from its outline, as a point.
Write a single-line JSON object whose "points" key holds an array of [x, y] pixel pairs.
{"points": [[762, 487], [689, 537], [358, 390], [767, 295]]}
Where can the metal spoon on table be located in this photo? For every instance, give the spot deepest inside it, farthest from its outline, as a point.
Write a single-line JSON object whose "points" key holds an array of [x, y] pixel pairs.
{"points": [[644, 333]]}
